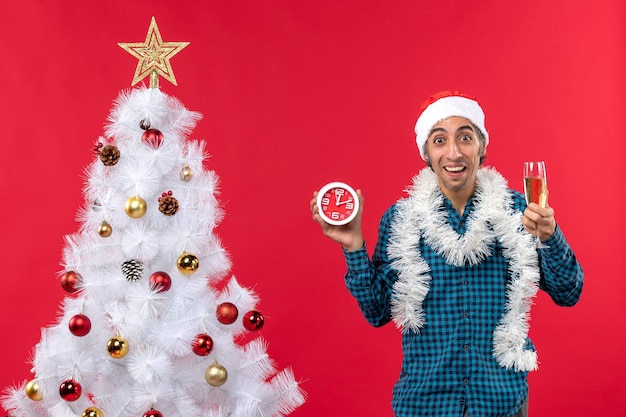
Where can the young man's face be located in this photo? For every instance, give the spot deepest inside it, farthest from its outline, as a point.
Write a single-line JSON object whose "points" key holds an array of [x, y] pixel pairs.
{"points": [[454, 149]]}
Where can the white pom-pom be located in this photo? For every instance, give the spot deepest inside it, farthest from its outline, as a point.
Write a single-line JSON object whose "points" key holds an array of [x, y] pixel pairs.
{"points": [[147, 364], [140, 242]]}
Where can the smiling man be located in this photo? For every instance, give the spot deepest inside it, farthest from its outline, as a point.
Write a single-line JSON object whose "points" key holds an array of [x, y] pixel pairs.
{"points": [[456, 267]]}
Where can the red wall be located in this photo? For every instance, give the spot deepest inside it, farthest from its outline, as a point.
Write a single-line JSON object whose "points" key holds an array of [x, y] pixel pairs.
{"points": [[295, 94]]}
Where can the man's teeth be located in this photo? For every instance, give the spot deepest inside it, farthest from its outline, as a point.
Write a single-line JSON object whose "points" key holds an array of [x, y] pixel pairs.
{"points": [[454, 169]]}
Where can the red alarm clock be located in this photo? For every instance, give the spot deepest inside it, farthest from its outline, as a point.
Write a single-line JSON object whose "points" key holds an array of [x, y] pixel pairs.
{"points": [[337, 203]]}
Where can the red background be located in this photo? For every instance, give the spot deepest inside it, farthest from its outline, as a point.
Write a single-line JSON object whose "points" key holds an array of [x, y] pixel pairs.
{"points": [[296, 94]]}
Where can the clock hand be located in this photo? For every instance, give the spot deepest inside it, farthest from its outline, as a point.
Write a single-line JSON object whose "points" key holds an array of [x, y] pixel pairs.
{"points": [[343, 202]]}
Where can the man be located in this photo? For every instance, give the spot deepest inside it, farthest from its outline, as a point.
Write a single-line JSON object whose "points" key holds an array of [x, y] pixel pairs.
{"points": [[456, 266]]}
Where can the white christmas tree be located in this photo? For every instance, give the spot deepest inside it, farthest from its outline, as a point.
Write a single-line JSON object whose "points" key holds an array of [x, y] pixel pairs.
{"points": [[153, 325]]}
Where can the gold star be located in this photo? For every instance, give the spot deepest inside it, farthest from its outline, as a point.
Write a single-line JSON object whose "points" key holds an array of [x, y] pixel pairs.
{"points": [[154, 56]]}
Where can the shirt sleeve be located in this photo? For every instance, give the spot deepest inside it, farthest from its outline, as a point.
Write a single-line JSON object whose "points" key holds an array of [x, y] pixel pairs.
{"points": [[561, 275], [370, 281]]}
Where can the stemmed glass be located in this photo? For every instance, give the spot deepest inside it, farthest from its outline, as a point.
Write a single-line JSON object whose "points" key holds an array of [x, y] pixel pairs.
{"points": [[535, 188]]}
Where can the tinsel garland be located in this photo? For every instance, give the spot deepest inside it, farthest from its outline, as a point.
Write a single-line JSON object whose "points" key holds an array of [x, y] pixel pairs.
{"points": [[420, 215]]}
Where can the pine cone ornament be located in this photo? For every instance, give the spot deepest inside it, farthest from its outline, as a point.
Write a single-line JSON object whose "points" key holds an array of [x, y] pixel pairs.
{"points": [[144, 124], [132, 270], [110, 155], [168, 205]]}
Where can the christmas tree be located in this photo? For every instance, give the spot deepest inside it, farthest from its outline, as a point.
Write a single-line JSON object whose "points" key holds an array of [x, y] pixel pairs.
{"points": [[152, 324]]}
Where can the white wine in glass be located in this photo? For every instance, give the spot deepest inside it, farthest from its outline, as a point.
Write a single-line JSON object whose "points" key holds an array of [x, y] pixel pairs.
{"points": [[535, 187]]}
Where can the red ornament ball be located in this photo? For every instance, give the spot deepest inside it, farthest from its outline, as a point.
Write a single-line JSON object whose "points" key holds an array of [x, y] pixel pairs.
{"points": [[152, 413], [79, 325], [227, 313], [70, 281], [153, 137], [160, 281], [253, 320], [70, 390], [202, 344]]}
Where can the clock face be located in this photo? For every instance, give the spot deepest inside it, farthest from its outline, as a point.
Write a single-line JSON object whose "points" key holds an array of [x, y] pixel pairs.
{"points": [[338, 203]]}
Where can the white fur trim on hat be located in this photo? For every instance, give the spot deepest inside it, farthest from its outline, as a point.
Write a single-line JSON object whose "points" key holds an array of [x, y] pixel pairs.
{"points": [[443, 108]]}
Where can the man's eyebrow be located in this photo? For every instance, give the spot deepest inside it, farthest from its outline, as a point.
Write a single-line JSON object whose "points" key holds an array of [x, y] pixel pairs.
{"points": [[435, 130], [466, 127]]}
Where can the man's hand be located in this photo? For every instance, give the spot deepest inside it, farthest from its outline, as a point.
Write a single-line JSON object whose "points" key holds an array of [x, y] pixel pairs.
{"points": [[350, 235], [539, 221]]}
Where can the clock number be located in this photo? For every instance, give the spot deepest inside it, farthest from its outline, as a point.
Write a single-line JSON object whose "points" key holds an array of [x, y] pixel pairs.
{"points": [[349, 206], [338, 194], [325, 201], [334, 215]]}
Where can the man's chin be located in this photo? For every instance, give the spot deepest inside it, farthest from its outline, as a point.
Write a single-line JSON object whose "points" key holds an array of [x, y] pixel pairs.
{"points": [[457, 183]]}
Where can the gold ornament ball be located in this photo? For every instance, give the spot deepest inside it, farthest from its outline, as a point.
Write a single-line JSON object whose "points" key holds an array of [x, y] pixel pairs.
{"points": [[135, 207], [186, 174], [105, 229], [216, 375], [117, 347], [187, 263], [33, 391], [93, 412]]}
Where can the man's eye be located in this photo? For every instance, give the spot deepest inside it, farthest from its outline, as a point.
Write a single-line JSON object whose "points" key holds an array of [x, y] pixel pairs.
{"points": [[438, 140], [466, 138]]}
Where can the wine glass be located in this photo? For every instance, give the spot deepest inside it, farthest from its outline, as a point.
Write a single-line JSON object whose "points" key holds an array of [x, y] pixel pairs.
{"points": [[535, 188]]}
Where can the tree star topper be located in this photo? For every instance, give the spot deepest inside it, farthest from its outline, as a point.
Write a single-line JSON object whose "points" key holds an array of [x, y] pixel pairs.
{"points": [[154, 56]]}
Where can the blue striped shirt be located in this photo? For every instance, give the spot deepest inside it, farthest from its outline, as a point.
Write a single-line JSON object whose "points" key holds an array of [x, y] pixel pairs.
{"points": [[449, 367]]}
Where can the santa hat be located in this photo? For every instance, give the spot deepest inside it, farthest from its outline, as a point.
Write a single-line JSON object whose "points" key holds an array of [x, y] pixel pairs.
{"points": [[443, 105]]}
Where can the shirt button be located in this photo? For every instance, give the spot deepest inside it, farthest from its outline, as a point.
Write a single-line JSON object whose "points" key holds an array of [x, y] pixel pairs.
{"points": [[466, 381], [463, 282], [465, 314], [465, 347]]}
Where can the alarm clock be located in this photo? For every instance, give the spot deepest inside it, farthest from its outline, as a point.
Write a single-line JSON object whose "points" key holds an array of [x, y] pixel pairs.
{"points": [[337, 203]]}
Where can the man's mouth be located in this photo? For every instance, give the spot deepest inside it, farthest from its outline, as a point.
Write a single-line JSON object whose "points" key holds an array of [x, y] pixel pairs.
{"points": [[454, 169]]}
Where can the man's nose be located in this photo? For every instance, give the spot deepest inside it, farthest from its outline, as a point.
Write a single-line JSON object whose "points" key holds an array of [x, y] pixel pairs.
{"points": [[453, 150]]}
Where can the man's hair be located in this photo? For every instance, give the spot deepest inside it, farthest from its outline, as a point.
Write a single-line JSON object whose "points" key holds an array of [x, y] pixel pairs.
{"points": [[482, 150]]}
